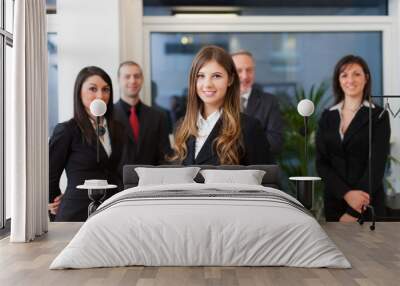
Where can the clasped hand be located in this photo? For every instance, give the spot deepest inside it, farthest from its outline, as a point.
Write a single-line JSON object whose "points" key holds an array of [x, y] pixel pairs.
{"points": [[53, 207], [357, 199]]}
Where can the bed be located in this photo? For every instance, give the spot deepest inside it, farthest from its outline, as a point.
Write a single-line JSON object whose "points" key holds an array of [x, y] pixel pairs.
{"points": [[201, 223]]}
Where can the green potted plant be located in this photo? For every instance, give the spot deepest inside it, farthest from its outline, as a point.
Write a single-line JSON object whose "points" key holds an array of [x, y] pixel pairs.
{"points": [[292, 160]]}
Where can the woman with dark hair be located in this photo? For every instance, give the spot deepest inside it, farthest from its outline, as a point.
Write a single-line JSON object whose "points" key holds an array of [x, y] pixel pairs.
{"points": [[73, 147], [213, 130], [342, 144]]}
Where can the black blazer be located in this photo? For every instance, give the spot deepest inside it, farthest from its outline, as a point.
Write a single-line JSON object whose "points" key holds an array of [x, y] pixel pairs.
{"points": [[255, 144], [68, 150], [265, 107], [343, 165], [153, 143]]}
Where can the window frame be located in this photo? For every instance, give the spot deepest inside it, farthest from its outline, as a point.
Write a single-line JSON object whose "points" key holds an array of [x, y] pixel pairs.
{"points": [[6, 39], [383, 24], [388, 26]]}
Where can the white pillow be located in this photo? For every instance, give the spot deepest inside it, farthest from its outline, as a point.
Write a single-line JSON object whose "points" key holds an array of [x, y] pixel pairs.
{"points": [[249, 177], [165, 176]]}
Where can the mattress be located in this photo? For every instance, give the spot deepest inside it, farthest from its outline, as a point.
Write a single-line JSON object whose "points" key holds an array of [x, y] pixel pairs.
{"points": [[201, 225]]}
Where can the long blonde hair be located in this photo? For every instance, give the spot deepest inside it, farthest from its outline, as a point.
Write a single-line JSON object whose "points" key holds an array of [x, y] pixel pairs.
{"points": [[228, 144]]}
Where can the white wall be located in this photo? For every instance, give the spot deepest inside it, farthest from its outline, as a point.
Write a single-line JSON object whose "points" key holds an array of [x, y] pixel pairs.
{"points": [[131, 35], [131, 30], [88, 34]]}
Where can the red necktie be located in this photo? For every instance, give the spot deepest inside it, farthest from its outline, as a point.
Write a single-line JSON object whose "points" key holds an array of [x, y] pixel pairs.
{"points": [[134, 121]]}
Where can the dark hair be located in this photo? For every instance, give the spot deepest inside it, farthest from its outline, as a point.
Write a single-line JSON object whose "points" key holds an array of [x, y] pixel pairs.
{"points": [[128, 63], [80, 115], [340, 67]]}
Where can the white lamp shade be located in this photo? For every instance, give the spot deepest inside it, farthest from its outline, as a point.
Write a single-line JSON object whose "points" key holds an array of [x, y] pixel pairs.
{"points": [[98, 107], [305, 107]]}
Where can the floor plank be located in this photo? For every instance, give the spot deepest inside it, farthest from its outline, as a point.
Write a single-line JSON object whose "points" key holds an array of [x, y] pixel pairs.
{"points": [[375, 257]]}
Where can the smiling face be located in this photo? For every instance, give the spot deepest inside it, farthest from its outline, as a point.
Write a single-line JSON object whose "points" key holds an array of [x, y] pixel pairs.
{"points": [[94, 87], [211, 86], [245, 68], [130, 80], [352, 80]]}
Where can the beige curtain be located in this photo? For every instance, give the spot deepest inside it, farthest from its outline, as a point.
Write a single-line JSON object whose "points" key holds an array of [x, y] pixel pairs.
{"points": [[27, 123]]}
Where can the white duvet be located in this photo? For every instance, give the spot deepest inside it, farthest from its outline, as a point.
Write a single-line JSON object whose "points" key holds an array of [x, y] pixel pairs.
{"points": [[207, 230]]}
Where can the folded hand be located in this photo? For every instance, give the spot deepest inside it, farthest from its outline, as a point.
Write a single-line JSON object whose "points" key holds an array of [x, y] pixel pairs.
{"points": [[53, 207], [357, 199]]}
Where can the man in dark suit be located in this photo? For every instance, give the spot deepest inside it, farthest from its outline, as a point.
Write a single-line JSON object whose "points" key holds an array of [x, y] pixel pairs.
{"points": [[147, 134], [257, 103]]}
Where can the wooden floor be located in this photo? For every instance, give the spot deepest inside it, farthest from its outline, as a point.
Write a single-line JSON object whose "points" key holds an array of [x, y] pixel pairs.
{"points": [[375, 257]]}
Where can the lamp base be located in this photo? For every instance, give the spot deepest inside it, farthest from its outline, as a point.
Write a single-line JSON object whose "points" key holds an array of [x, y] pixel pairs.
{"points": [[305, 193], [305, 190]]}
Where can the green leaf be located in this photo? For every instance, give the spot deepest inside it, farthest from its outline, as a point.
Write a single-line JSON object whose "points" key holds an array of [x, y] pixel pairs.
{"points": [[292, 158]]}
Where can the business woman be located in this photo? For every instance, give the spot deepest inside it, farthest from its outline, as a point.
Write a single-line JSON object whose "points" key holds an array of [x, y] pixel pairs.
{"points": [[213, 130], [342, 144], [72, 148]]}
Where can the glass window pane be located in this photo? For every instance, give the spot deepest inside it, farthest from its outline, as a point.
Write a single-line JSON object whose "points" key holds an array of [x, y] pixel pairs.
{"points": [[271, 7], [284, 61], [9, 15], [8, 74], [51, 6], [53, 82]]}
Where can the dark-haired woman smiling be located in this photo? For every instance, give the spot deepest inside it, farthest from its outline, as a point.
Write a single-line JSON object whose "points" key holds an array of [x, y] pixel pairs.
{"points": [[342, 144], [73, 147]]}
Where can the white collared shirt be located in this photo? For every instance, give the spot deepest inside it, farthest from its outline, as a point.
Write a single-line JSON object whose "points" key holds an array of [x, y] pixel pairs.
{"points": [[105, 139], [339, 108], [245, 98], [204, 128]]}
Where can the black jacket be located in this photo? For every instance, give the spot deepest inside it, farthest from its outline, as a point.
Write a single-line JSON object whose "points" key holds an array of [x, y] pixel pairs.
{"points": [[265, 107], [153, 143], [68, 150], [256, 146], [343, 165]]}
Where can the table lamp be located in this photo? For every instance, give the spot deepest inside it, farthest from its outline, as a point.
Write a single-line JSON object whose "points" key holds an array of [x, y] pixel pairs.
{"points": [[305, 108], [305, 183], [98, 108]]}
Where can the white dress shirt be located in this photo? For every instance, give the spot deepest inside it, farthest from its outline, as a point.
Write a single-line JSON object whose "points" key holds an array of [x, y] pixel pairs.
{"points": [[339, 108], [244, 99], [204, 128]]}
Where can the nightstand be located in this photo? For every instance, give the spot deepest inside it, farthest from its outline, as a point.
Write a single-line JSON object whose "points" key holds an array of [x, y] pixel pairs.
{"points": [[96, 194]]}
